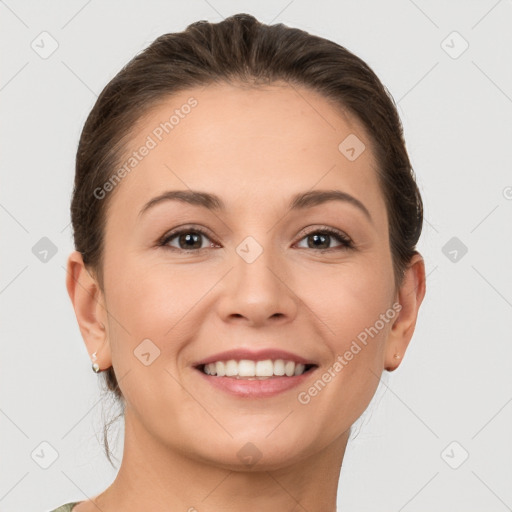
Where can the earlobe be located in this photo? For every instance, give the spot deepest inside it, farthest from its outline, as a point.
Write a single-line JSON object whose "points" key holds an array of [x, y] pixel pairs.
{"points": [[410, 297], [88, 302]]}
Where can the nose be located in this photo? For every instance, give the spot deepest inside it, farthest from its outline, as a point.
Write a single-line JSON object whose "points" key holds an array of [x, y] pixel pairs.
{"points": [[260, 291]]}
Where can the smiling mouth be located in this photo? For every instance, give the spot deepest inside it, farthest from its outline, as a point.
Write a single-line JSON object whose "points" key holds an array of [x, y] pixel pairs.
{"points": [[246, 369]]}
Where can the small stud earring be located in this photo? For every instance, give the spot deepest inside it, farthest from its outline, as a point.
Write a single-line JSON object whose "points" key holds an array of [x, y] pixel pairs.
{"points": [[95, 365], [397, 356]]}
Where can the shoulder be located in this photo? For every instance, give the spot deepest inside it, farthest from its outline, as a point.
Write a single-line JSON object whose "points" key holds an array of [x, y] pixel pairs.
{"points": [[66, 508]]}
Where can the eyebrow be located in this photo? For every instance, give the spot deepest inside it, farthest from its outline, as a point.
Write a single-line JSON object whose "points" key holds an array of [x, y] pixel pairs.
{"points": [[298, 202]]}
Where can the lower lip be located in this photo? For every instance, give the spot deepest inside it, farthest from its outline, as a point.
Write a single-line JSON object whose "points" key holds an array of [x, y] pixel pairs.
{"points": [[256, 388]]}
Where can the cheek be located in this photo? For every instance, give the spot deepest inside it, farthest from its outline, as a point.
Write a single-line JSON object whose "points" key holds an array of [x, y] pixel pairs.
{"points": [[148, 329], [354, 304], [350, 298], [358, 309], [152, 302], [359, 319], [151, 294]]}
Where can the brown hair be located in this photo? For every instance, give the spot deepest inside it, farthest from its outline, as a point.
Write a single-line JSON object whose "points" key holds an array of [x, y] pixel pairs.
{"points": [[240, 49]]}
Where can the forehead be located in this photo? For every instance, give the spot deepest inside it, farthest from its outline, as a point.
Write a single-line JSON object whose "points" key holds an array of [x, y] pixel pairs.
{"points": [[248, 145]]}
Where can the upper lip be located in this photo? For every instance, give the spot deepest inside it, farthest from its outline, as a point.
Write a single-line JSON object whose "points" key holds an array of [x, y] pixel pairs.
{"points": [[254, 355]]}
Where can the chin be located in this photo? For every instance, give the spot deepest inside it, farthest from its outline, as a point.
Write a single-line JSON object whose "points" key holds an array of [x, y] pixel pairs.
{"points": [[257, 451]]}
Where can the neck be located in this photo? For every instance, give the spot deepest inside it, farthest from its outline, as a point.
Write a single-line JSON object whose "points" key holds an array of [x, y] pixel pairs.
{"points": [[160, 479]]}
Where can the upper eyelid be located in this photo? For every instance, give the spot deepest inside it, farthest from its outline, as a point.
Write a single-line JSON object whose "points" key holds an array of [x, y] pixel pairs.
{"points": [[180, 229], [314, 229]]}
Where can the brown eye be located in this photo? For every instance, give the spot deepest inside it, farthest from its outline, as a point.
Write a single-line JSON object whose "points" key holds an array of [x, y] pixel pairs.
{"points": [[187, 240], [321, 239]]}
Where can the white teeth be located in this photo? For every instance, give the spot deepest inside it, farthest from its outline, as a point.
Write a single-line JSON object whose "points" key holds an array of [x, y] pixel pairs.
{"points": [[220, 368], [231, 368], [279, 367], [289, 368], [264, 368], [246, 368], [299, 369]]}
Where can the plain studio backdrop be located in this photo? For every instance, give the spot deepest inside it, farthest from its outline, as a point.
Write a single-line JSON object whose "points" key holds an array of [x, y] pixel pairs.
{"points": [[437, 434]]}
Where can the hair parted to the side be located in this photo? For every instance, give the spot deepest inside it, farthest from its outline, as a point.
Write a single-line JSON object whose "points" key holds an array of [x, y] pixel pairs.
{"points": [[240, 50]]}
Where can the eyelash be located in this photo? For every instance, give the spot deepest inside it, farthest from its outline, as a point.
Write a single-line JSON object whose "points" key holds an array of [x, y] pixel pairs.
{"points": [[346, 242]]}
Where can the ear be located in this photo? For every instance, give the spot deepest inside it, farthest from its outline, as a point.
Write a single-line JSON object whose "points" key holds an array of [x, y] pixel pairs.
{"points": [[410, 297], [89, 305]]}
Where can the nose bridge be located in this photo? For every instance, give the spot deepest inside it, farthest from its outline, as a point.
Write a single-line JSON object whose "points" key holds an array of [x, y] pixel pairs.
{"points": [[254, 261], [258, 289]]}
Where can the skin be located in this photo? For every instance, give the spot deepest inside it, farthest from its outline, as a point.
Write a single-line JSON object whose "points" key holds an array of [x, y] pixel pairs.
{"points": [[254, 148]]}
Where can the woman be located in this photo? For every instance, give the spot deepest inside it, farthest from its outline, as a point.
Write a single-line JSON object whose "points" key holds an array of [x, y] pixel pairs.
{"points": [[245, 220]]}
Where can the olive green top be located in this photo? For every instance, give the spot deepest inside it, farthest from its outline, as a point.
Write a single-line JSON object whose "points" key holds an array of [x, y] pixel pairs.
{"points": [[66, 508]]}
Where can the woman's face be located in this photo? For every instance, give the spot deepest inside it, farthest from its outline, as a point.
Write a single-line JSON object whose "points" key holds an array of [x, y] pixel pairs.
{"points": [[264, 279]]}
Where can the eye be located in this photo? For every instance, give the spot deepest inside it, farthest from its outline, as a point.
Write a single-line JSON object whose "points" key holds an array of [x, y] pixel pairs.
{"points": [[188, 239], [191, 239], [321, 239]]}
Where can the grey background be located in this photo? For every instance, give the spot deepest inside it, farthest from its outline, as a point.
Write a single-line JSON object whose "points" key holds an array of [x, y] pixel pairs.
{"points": [[455, 382]]}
